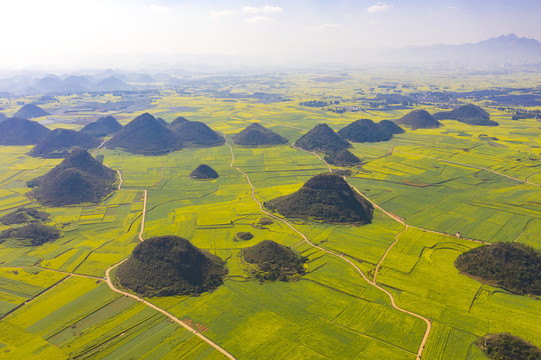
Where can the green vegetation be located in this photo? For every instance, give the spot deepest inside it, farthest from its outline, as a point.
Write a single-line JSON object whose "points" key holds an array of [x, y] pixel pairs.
{"points": [[342, 158], [59, 142], [508, 347], [433, 179], [419, 119], [104, 126], [273, 261], [145, 135], [365, 130], [326, 198], [78, 179], [256, 134], [18, 131], [514, 266], [322, 138], [170, 265], [244, 236], [30, 234], [390, 127], [318, 103], [30, 111], [204, 171], [195, 133], [468, 114], [23, 215]]}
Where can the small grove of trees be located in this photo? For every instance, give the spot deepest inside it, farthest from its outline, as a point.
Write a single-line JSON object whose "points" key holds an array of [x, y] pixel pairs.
{"points": [[505, 346], [319, 103], [514, 266]]}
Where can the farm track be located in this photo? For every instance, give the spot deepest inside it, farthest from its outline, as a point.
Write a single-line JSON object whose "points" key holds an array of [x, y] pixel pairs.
{"points": [[109, 282], [340, 256], [149, 304]]}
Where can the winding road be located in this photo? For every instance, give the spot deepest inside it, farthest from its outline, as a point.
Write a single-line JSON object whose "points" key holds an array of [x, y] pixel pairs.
{"points": [[109, 282], [341, 256]]}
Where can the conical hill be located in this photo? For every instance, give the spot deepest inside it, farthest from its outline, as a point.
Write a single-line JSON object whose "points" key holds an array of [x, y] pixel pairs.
{"points": [[170, 265], [326, 198], [145, 135], [78, 179], [19, 131], [322, 138], [256, 134]]}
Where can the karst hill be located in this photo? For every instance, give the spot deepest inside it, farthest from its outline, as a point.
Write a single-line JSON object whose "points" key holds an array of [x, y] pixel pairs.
{"points": [[203, 172], [145, 135], [468, 114], [59, 142], [104, 126], [342, 157], [323, 139], [258, 135], [326, 198], [514, 266], [170, 265], [18, 131], [195, 133], [419, 119], [77, 179], [273, 261], [365, 130], [390, 127], [30, 111]]}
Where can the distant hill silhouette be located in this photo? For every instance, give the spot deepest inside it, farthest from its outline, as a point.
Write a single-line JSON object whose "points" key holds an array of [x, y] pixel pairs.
{"points": [[33, 234], [111, 83], [469, 114], [30, 111], [514, 266], [204, 171], [179, 120], [390, 127], [19, 131], [78, 179], [504, 346], [104, 126], [342, 158], [327, 198], [24, 215], [505, 49], [419, 119], [59, 142], [322, 138], [365, 130], [195, 133], [256, 134], [2, 117], [162, 122], [145, 135], [170, 265], [273, 261]]}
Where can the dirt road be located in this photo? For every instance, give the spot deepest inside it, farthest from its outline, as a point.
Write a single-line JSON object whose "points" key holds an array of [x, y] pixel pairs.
{"points": [[341, 256]]}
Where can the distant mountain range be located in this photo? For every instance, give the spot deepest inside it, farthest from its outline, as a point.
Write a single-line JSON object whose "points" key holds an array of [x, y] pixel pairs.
{"points": [[108, 80], [506, 49], [495, 53]]}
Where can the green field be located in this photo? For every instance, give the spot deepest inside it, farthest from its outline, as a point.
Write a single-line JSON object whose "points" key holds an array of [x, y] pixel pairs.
{"points": [[55, 303]]}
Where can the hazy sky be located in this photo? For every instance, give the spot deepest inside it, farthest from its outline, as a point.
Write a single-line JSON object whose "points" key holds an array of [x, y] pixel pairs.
{"points": [[87, 32]]}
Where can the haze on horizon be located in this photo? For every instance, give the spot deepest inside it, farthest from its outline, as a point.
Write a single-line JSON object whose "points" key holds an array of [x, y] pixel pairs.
{"points": [[131, 33]]}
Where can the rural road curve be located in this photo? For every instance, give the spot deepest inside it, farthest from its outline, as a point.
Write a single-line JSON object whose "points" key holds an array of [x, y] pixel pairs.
{"points": [[109, 282], [341, 256]]}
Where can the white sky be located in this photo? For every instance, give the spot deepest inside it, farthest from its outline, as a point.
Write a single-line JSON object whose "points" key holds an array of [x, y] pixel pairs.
{"points": [[81, 32]]}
